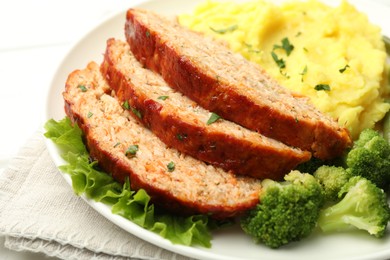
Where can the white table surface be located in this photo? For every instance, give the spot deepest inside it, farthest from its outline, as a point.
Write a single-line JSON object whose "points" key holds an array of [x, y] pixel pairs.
{"points": [[35, 36]]}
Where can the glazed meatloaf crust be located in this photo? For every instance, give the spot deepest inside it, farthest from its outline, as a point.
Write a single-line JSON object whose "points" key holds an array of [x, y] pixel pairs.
{"points": [[182, 124], [229, 85], [125, 148]]}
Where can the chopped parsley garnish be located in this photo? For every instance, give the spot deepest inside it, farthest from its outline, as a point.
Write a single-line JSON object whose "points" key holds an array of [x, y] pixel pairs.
{"points": [[171, 166], [126, 105], [343, 69], [118, 143], [147, 34], [250, 48], [83, 88], [288, 48], [280, 62], [304, 72], [213, 118], [325, 87], [132, 150], [163, 97], [90, 114], [181, 137], [225, 30], [286, 45], [136, 112], [255, 51]]}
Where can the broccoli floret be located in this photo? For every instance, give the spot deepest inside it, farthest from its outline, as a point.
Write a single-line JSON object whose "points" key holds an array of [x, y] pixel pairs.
{"points": [[362, 206], [332, 179], [370, 158], [288, 211]]}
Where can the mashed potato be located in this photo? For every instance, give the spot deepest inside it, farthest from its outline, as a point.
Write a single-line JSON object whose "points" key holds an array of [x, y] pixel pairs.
{"points": [[331, 54]]}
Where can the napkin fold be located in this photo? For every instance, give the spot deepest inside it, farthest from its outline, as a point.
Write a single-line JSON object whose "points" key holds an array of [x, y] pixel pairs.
{"points": [[39, 212]]}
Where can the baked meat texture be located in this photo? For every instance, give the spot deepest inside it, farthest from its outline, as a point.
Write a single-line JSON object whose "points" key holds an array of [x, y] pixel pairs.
{"points": [[175, 181], [229, 85], [182, 124]]}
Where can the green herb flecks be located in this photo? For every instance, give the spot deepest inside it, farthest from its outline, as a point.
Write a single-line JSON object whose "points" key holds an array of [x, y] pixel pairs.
{"points": [[303, 73], [284, 74], [225, 30], [286, 45], [117, 144], [280, 62], [83, 88], [324, 87], [126, 105], [250, 48], [147, 34], [136, 112], [213, 118], [163, 97], [171, 166], [90, 114], [132, 150], [181, 137], [344, 69]]}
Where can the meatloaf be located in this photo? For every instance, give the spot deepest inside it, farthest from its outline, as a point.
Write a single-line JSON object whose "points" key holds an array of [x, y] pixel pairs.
{"points": [[125, 148], [231, 86], [182, 124]]}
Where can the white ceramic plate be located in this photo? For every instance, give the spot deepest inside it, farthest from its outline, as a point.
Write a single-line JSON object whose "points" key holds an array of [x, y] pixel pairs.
{"points": [[231, 243]]}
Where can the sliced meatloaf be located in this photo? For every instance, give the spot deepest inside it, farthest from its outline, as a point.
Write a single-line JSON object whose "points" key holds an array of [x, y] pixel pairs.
{"points": [[125, 148], [182, 124], [226, 83]]}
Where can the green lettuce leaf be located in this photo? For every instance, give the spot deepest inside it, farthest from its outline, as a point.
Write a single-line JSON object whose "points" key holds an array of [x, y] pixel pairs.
{"points": [[65, 136], [135, 206]]}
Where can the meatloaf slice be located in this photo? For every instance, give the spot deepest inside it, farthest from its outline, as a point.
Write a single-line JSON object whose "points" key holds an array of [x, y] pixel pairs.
{"points": [[182, 124], [226, 83], [125, 148]]}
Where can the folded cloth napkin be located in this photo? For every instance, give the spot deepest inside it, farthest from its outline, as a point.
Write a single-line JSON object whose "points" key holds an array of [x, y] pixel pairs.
{"points": [[39, 212]]}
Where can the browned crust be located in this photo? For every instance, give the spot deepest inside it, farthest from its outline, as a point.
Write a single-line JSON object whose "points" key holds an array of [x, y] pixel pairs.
{"points": [[242, 156], [151, 48], [120, 170]]}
